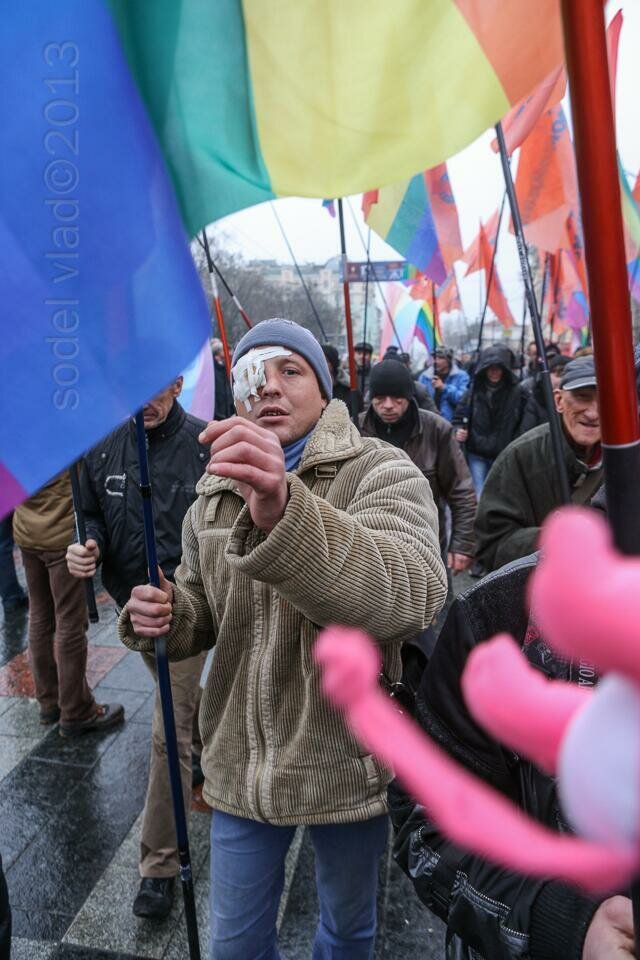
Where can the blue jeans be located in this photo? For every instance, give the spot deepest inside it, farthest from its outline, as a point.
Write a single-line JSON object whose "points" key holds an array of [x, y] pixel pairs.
{"points": [[478, 468], [247, 878], [10, 590]]}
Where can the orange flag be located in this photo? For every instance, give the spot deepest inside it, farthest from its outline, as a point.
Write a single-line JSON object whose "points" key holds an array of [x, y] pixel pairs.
{"points": [[496, 298], [471, 255], [448, 295], [636, 190], [546, 184], [521, 119]]}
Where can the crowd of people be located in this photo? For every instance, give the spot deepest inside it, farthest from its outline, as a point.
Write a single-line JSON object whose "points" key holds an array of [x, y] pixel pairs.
{"points": [[288, 512]]}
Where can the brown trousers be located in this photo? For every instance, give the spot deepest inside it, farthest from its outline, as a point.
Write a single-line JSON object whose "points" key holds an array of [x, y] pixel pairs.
{"points": [[158, 850], [57, 635]]}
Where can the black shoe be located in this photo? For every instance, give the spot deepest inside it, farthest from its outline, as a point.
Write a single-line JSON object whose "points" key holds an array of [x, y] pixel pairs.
{"points": [[47, 717], [197, 776], [16, 605], [106, 715], [154, 898]]}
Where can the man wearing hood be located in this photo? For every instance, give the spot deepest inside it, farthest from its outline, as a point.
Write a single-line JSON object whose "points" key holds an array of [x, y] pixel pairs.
{"points": [[445, 381], [489, 414]]}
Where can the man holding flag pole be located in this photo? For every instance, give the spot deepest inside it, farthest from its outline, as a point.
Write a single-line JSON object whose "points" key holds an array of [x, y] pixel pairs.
{"points": [[294, 505]]}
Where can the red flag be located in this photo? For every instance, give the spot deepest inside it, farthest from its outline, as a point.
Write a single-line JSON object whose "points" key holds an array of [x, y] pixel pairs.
{"points": [[449, 296], [613, 39], [546, 184], [636, 190], [444, 213], [521, 119], [496, 298], [471, 255]]}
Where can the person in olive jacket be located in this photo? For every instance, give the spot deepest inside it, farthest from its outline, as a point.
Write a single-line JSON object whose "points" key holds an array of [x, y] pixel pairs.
{"points": [[428, 440]]}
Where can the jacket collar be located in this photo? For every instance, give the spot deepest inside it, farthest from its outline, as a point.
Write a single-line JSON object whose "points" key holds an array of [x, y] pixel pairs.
{"points": [[167, 428], [334, 438], [368, 422]]}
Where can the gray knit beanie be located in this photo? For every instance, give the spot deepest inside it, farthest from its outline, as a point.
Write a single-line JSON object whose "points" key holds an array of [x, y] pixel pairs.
{"points": [[291, 336]]}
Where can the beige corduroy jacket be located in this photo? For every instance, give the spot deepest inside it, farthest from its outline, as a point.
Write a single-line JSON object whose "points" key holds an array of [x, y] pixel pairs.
{"points": [[358, 545]]}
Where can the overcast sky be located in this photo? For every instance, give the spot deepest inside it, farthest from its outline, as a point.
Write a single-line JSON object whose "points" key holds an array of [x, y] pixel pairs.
{"points": [[477, 184]]}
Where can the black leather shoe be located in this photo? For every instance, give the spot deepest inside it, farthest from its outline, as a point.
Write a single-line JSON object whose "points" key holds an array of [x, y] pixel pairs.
{"points": [[197, 776], [154, 898]]}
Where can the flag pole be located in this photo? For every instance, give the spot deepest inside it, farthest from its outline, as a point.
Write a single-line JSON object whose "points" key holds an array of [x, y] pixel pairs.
{"points": [[213, 266], [166, 701], [217, 305], [299, 272], [366, 309], [491, 272], [595, 145], [81, 532], [371, 270], [534, 313], [610, 313], [353, 379]]}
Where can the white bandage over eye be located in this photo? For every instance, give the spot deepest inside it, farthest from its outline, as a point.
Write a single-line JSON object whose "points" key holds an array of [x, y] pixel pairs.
{"points": [[248, 374]]}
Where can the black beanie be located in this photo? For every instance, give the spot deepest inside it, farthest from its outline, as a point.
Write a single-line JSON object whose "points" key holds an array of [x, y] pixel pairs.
{"points": [[391, 379]]}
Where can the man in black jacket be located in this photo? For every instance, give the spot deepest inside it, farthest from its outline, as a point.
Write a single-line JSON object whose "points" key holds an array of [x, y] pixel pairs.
{"points": [[113, 511], [490, 912], [489, 414], [427, 438]]}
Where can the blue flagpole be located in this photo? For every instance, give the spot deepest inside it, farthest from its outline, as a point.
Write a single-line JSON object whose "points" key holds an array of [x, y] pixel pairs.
{"points": [[166, 700]]}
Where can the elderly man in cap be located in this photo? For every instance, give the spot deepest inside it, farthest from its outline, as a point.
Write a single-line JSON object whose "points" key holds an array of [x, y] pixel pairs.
{"points": [[522, 487], [363, 352], [445, 381], [300, 522]]}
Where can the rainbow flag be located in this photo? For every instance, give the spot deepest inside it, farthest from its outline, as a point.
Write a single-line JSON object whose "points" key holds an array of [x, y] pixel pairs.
{"points": [[239, 101], [412, 319], [102, 301], [251, 100], [402, 216]]}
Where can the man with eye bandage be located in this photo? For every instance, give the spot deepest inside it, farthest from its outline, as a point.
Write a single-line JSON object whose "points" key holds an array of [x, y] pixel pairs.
{"points": [[300, 522]]}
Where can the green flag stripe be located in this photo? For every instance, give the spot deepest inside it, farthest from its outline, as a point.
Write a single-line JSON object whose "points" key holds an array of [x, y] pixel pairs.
{"points": [[182, 55]]}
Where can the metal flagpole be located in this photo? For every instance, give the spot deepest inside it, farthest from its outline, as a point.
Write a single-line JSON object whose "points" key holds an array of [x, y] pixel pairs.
{"points": [[166, 700], [81, 532], [545, 377]]}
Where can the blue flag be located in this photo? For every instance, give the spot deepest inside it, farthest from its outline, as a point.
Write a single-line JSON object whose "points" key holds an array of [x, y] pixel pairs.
{"points": [[101, 302]]}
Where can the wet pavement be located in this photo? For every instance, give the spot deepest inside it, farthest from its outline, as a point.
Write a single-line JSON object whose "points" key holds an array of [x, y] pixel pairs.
{"points": [[70, 821]]}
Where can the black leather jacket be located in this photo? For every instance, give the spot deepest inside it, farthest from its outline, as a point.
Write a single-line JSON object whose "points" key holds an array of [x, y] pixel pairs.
{"points": [[490, 912], [111, 499]]}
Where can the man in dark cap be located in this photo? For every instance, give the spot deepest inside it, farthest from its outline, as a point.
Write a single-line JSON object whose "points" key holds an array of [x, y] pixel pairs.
{"points": [[363, 352], [429, 440], [522, 487]]}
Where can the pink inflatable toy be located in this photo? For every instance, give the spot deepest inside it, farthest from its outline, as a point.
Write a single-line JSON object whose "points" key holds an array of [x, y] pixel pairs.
{"points": [[586, 600]]}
